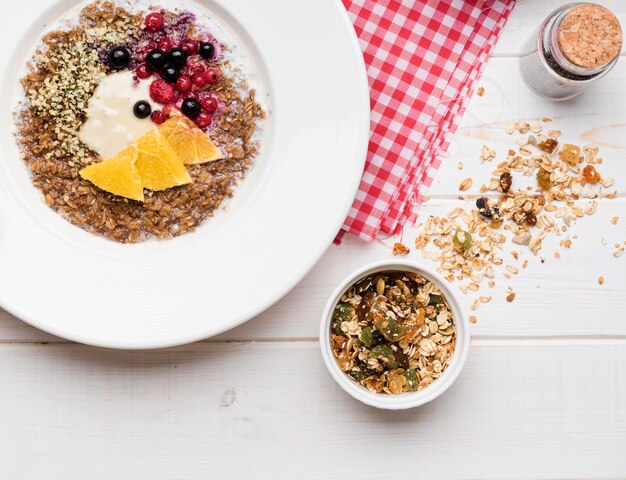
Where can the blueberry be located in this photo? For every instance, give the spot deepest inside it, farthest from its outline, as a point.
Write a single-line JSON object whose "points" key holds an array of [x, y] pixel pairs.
{"points": [[191, 107], [119, 58], [177, 57], [156, 59], [207, 50], [170, 73], [142, 109]]}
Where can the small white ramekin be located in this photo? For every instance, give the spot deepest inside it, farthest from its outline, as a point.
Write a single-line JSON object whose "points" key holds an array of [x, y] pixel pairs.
{"points": [[409, 399]]}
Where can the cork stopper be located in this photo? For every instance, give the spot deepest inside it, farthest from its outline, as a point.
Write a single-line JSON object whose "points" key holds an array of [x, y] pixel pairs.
{"points": [[590, 36]]}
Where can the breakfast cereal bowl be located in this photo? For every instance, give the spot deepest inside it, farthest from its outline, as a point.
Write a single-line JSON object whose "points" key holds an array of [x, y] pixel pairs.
{"points": [[394, 335]]}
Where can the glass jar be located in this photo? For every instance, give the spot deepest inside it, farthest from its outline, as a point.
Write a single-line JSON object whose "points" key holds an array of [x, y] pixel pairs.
{"points": [[554, 65]]}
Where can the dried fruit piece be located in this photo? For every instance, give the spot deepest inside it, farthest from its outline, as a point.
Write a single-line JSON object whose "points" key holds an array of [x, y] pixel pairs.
{"points": [[590, 174], [570, 154], [487, 210], [343, 312], [400, 249], [543, 179], [435, 299], [462, 240], [367, 336], [412, 379], [358, 375], [531, 219], [548, 145], [390, 329], [506, 180], [384, 353]]}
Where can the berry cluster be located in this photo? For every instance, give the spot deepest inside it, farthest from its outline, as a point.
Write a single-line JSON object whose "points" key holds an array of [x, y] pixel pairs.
{"points": [[182, 72]]}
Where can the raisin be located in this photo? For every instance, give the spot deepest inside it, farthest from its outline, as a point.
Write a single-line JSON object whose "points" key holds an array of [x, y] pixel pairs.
{"points": [[543, 179], [531, 219], [590, 174], [548, 145], [486, 210], [506, 180], [570, 154]]}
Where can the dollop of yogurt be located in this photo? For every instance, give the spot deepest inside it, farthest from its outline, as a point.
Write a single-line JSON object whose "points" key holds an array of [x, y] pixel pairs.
{"points": [[111, 125]]}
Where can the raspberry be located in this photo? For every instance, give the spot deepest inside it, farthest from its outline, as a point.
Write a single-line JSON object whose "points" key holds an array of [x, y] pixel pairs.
{"points": [[154, 22], [161, 91]]}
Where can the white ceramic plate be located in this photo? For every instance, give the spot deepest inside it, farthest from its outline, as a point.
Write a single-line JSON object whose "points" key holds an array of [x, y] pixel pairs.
{"points": [[163, 293]]}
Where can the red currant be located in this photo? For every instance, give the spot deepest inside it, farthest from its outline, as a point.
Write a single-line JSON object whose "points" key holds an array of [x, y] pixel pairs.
{"points": [[196, 69], [212, 75], [167, 109], [157, 117], [161, 91], [203, 120], [190, 46], [199, 80], [209, 103], [165, 44], [143, 71], [154, 22], [183, 84]]}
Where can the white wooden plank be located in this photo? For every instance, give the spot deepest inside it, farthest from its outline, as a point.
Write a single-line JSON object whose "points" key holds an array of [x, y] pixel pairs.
{"points": [[270, 410], [529, 14]]}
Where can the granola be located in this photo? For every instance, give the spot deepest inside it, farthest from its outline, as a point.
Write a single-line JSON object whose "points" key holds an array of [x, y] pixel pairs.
{"points": [[393, 332]]}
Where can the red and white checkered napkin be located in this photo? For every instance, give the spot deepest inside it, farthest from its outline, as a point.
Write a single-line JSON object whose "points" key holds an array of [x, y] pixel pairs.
{"points": [[423, 58]]}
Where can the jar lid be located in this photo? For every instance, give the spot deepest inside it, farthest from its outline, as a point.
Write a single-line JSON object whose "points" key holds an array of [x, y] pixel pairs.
{"points": [[590, 36]]}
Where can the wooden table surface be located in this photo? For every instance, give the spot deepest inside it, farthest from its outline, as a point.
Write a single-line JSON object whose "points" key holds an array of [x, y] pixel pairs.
{"points": [[543, 394]]}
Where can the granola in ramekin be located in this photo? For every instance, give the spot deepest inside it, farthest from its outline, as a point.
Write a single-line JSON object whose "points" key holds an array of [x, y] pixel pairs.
{"points": [[393, 332]]}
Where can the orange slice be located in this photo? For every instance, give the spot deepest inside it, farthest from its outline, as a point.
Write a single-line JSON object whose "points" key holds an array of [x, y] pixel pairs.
{"points": [[189, 142], [118, 175], [158, 164]]}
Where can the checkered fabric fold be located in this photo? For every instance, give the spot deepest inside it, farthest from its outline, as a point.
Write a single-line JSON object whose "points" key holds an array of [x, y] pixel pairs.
{"points": [[423, 59]]}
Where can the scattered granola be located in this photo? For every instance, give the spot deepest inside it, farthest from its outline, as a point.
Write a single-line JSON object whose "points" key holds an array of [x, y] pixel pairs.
{"points": [[614, 220], [481, 91], [468, 241], [601, 280], [393, 332], [466, 184], [400, 249]]}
